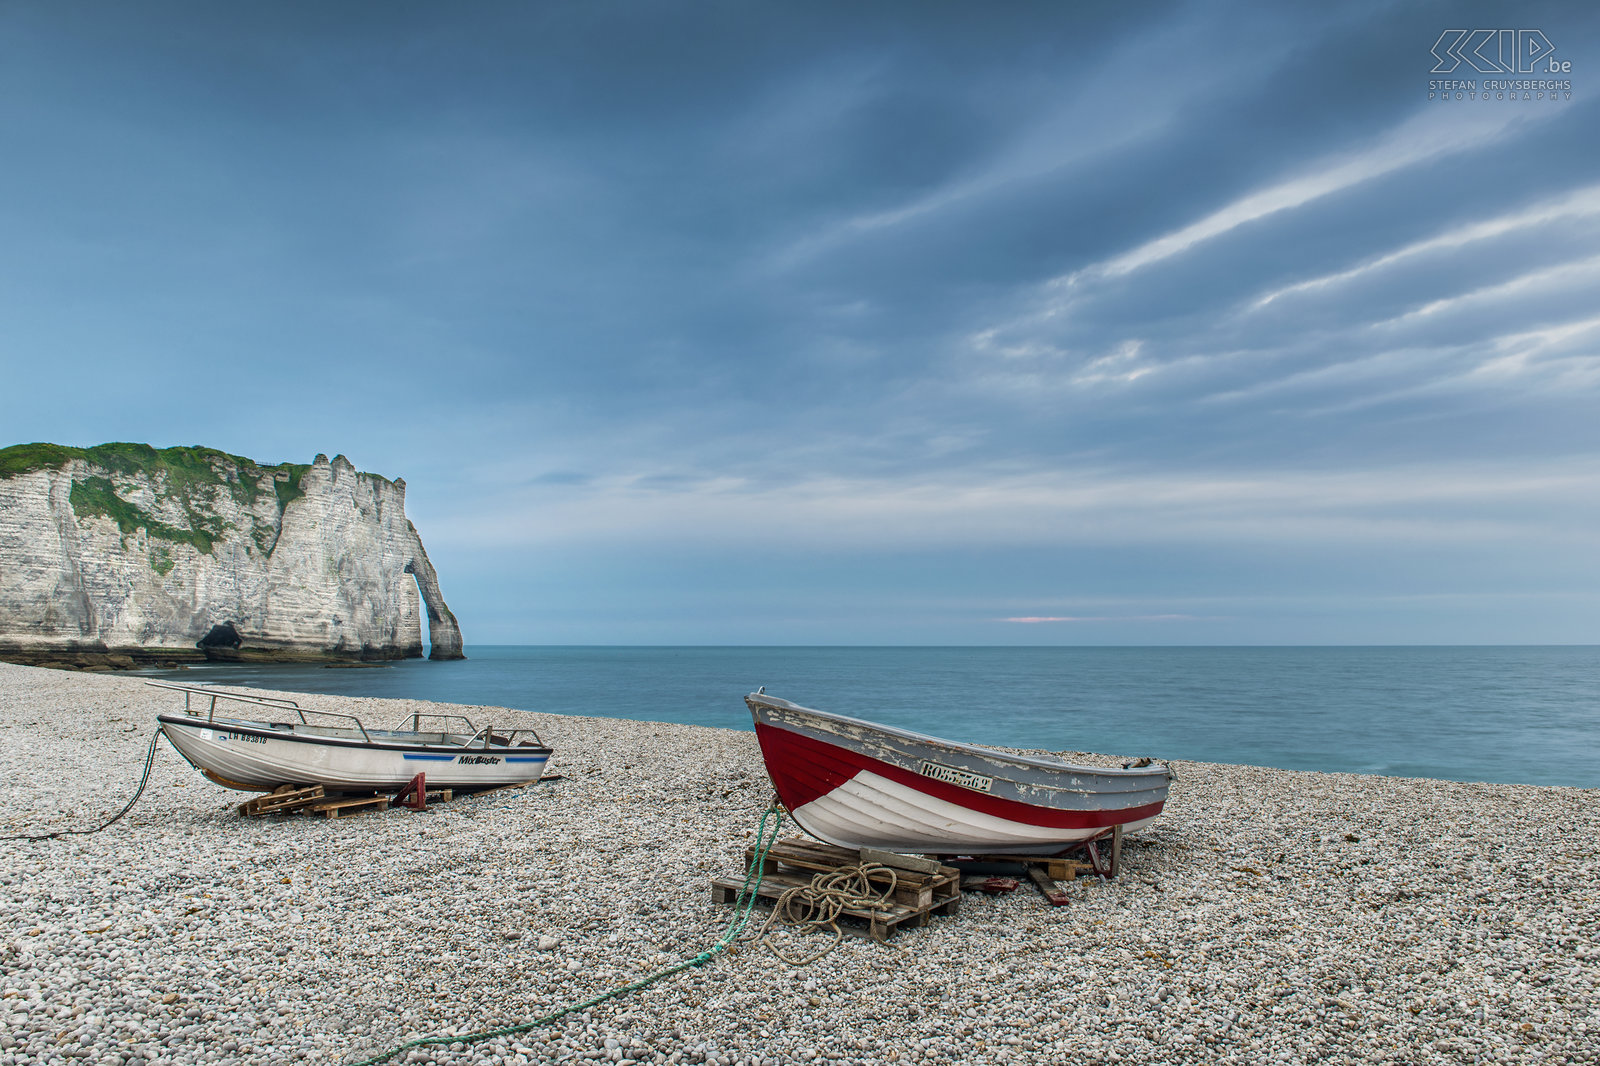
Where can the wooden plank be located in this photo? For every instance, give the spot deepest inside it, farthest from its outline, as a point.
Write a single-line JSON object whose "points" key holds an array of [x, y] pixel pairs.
{"points": [[341, 808], [803, 858], [902, 862], [1048, 887], [826, 858], [911, 889], [1057, 868], [816, 848], [917, 897], [281, 801]]}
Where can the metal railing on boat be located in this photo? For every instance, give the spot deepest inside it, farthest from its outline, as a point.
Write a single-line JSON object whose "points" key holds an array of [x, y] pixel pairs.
{"points": [[274, 703], [489, 734]]}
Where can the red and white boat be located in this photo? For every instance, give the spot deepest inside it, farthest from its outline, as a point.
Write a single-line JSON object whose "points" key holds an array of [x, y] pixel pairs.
{"points": [[861, 785]]}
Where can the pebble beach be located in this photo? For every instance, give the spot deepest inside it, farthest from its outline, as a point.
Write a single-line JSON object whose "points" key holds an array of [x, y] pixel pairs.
{"points": [[1268, 916]]}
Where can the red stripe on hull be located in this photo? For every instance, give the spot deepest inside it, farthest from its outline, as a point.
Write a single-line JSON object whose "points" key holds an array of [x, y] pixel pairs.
{"points": [[803, 768]]}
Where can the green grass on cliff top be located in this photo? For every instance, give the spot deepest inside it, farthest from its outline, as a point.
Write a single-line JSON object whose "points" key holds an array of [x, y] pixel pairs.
{"points": [[180, 472], [182, 466], [187, 475]]}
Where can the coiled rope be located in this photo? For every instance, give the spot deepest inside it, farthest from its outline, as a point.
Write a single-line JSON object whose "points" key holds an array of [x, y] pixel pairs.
{"points": [[144, 779], [743, 904], [811, 908]]}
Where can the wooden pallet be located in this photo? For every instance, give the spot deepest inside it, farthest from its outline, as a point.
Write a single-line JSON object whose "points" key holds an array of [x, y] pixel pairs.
{"points": [[283, 801], [343, 808], [313, 800], [1046, 871], [349, 805], [919, 894], [1062, 867], [1057, 869]]}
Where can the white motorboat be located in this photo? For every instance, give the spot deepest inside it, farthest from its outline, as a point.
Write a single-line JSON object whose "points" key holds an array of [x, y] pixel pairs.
{"points": [[282, 743]]}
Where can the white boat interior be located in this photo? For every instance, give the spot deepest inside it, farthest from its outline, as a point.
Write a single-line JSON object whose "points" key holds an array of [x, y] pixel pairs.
{"points": [[287, 717]]}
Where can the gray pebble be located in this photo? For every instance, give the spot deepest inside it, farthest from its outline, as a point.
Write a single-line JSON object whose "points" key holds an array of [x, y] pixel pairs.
{"points": [[1269, 916]]}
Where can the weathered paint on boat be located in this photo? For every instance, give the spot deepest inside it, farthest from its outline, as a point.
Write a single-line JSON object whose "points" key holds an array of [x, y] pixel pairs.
{"points": [[859, 784]]}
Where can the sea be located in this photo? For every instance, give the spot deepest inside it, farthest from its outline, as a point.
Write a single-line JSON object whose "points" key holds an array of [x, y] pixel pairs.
{"points": [[1519, 714]]}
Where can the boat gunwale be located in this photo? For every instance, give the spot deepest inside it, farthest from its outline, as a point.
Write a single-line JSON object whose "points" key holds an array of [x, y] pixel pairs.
{"points": [[266, 731], [1054, 765]]}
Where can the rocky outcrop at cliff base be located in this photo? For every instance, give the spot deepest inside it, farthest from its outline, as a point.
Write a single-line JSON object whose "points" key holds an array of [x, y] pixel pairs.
{"points": [[125, 552]]}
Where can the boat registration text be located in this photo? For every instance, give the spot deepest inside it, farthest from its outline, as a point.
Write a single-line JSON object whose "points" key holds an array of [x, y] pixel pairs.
{"points": [[964, 778], [222, 737]]}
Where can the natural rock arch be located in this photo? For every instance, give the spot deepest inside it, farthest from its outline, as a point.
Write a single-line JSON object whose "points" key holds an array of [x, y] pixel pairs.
{"points": [[444, 635]]}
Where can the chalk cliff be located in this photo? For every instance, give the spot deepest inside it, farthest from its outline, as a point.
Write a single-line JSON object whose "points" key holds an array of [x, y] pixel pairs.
{"points": [[124, 554]]}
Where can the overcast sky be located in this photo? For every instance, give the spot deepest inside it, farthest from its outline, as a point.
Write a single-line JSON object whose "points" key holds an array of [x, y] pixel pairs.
{"points": [[846, 323]]}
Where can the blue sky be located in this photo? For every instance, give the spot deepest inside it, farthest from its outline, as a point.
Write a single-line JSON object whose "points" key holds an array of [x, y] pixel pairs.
{"points": [[833, 323]]}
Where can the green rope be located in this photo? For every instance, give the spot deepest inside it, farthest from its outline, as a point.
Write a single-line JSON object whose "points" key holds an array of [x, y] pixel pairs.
{"points": [[742, 907]]}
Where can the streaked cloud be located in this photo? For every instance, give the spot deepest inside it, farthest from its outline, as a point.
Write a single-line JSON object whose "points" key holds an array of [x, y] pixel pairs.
{"points": [[1426, 136], [1582, 204], [1479, 502], [1564, 275], [1194, 320]]}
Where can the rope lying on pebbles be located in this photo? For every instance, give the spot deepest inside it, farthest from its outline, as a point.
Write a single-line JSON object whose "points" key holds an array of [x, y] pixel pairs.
{"points": [[736, 926], [144, 779], [185, 931], [810, 908]]}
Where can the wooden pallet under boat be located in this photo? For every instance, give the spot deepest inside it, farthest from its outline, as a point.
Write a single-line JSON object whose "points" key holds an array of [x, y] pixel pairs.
{"points": [[313, 799], [918, 896]]}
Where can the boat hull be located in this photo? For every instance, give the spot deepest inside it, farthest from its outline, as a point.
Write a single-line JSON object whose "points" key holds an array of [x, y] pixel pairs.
{"points": [[262, 755], [857, 784]]}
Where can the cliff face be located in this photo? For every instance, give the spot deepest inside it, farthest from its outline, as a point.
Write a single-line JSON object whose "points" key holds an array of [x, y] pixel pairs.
{"points": [[126, 551]]}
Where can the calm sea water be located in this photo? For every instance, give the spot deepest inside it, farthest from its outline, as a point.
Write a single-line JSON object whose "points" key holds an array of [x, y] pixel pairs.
{"points": [[1515, 714]]}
